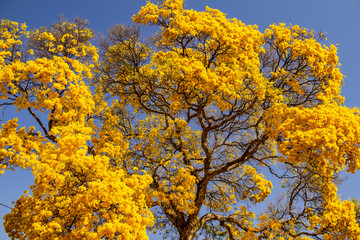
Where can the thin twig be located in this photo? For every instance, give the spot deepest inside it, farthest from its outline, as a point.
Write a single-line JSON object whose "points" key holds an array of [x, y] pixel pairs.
{"points": [[5, 205]]}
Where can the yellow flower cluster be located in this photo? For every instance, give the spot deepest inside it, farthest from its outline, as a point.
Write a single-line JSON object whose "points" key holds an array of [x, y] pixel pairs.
{"points": [[11, 34], [198, 74], [177, 184], [67, 40], [325, 140], [339, 216], [328, 134], [310, 61]]}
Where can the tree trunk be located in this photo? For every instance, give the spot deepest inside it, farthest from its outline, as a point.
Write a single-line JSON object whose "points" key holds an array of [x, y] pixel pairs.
{"points": [[186, 235]]}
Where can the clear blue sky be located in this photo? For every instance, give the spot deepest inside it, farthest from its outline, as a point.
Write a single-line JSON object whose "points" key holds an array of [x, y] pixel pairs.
{"points": [[339, 19]]}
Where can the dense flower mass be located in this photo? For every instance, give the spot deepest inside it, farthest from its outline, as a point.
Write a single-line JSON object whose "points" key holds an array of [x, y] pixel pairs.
{"points": [[184, 131], [78, 192]]}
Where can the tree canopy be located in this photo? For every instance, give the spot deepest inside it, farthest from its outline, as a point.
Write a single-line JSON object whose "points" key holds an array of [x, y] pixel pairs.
{"points": [[185, 132]]}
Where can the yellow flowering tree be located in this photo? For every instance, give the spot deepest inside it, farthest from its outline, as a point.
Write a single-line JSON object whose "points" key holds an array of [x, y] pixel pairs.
{"points": [[210, 105], [81, 190], [185, 131]]}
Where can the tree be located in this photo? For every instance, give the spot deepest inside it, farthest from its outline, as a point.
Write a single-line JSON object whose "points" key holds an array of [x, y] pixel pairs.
{"points": [[217, 104], [180, 130], [80, 190]]}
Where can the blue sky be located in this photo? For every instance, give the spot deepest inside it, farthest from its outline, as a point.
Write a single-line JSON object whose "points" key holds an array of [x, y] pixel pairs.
{"points": [[339, 19]]}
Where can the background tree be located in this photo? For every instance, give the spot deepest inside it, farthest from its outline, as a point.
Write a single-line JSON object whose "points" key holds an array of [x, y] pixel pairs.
{"points": [[217, 104], [79, 191]]}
